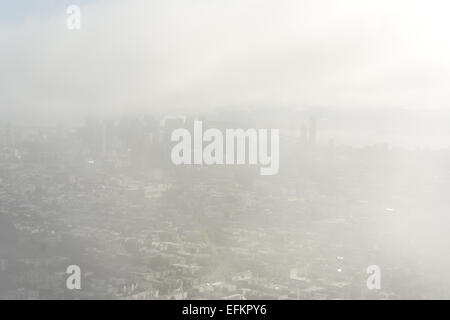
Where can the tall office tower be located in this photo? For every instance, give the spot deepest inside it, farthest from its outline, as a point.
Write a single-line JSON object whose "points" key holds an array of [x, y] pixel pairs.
{"points": [[169, 125], [152, 142], [151, 129], [2, 135], [104, 138], [312, 131], [108, 137]]}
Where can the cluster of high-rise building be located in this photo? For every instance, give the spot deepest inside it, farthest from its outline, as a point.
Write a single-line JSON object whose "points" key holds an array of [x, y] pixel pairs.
{"points": [[105, 197]]}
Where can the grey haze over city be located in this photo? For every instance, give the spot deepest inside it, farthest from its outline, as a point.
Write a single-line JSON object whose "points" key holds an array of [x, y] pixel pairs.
{"points": [[359, 91]]}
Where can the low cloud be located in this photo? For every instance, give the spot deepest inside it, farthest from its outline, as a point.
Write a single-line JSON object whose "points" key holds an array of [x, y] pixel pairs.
{"points": [[147, 55]]}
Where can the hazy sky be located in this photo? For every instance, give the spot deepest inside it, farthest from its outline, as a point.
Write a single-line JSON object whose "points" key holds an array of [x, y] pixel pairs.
{"points": [[141, 54]]}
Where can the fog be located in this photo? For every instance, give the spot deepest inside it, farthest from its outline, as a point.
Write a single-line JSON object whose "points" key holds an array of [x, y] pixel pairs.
{"points": [[358, 90], [143, 55]]}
